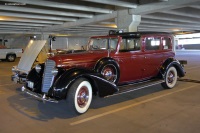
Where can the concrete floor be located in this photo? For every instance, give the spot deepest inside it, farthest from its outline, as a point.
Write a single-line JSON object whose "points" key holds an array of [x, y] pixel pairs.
{"points": [[150, 110]]}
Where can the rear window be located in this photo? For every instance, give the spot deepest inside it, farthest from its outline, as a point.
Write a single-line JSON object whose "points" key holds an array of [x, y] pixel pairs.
{"points": [[166, 43]]}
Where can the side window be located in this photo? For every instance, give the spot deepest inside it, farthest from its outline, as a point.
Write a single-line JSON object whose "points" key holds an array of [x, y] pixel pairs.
{"points": [[166, 43], [133, 44], [123, 45], [113, 43], [130, 44], [152, 43]]}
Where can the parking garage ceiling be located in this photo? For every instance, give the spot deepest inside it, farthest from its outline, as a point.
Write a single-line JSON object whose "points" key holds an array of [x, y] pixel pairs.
{"points": [[94, 17]]}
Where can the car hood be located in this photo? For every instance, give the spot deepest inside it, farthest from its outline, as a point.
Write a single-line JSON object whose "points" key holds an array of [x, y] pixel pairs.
{"points": [[81, 59], [30, 54]]}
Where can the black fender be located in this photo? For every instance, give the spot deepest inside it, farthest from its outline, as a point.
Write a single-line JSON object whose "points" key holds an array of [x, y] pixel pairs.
{"points": [[36, 78], [172, 62], [100, 86], [103, 61]]}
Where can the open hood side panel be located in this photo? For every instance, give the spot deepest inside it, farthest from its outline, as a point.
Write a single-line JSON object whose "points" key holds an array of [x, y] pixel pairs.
{"points": [[30, 54]]}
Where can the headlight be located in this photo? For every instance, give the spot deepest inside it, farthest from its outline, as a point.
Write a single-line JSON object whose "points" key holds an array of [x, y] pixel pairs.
{"points": [[38, 68], [54, 71], [14, 68]]}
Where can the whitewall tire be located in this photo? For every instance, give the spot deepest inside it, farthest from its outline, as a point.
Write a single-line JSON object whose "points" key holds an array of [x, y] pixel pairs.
{"points": [[170, 78], [80, 96]]}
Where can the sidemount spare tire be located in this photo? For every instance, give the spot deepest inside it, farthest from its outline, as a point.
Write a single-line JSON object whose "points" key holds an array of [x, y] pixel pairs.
{"points": [[109, 68]]}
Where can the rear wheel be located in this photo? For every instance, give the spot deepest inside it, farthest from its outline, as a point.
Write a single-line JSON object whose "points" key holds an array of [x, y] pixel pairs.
{"points": [[170, 78], [79, 96], [10, 57]]}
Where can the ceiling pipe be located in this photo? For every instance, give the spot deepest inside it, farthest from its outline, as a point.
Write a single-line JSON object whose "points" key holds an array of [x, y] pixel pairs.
{"points": [[36, 16], [115, 3], [44, 11], [24, 24]]}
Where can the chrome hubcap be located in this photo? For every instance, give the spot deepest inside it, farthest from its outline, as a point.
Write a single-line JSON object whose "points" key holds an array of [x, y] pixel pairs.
{"points": [[171, 77], [83, 96], [109, 73]]}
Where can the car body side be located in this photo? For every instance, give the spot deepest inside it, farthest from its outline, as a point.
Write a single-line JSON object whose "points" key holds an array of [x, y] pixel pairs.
{"points": [[134, 65]]}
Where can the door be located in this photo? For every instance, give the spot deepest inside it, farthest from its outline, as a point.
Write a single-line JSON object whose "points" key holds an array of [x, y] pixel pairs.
{"points": [[152, 56], [130, 59]]}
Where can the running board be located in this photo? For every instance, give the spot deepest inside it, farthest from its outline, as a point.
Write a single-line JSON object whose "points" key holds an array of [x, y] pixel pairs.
{"points": [[137, 86]]}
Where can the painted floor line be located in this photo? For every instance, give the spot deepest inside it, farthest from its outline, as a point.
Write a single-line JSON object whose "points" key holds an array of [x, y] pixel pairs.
{"points": [[7, 84], [129, 106], [25, 98], [5, 75]]}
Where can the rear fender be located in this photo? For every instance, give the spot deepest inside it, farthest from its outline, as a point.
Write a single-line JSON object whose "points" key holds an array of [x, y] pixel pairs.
{"points": [[172, 62], [100, 86]]}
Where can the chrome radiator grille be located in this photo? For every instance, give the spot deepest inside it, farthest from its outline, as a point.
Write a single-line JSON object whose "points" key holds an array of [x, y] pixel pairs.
{"points": [[47, 76]]}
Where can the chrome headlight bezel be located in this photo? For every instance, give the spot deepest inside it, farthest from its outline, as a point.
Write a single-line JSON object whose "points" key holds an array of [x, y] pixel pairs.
{"points": [[38, 68]]}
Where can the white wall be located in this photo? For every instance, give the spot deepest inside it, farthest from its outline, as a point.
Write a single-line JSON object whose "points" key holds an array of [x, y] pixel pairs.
{"points": [[17, 42], [77, 43], [68, 43]]}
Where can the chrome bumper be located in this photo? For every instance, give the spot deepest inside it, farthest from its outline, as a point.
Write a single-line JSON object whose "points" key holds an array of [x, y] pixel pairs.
{"points": [[18, 79], [18, 76], [38, 96]]}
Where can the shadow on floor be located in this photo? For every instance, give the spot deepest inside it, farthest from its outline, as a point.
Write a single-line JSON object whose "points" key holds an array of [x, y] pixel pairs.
{"points": [[38, 110], [189, 80]]}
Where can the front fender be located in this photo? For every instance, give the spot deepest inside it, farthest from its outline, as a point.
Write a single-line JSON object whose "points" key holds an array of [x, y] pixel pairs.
{"points": [[172, 62], [100, 86]]}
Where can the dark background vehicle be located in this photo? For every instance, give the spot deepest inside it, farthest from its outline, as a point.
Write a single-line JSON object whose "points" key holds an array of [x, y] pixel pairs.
{"points": [[144, 58]]}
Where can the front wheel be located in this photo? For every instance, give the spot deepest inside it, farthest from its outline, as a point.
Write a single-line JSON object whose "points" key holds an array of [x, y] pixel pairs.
{"points": [[79, 96], [170, 78]]}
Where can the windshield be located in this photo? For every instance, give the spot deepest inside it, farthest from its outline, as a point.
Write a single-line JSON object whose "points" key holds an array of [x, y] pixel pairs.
{"points": [[102, 43]]}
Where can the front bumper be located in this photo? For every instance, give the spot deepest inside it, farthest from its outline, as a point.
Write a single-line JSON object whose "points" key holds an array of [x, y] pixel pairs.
{"points": [[38, 96], [19, 78]]}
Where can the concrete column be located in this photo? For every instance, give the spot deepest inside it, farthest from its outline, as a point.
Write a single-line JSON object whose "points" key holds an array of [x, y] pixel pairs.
{"points": [[127, 22]]}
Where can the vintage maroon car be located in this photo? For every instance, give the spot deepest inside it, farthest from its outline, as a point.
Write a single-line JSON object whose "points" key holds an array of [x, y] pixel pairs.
{"points": [[109, 62]]}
